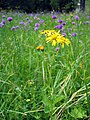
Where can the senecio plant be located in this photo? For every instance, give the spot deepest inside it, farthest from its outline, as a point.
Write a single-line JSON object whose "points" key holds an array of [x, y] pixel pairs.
{"points": [[55, 38]]}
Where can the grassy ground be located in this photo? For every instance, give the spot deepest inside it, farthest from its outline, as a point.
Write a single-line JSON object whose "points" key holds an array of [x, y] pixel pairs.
{"points": [[48, 84]]}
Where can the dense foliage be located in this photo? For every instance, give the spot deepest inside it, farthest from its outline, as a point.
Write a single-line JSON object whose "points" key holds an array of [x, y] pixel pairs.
{"points": [[38, 5]]}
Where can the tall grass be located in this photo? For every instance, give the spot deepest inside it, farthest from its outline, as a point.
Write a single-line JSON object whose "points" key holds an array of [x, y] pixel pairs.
{"points": [[48, 84]]}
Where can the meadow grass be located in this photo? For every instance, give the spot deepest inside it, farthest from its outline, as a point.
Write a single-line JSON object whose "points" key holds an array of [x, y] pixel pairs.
{"points": [[49, 84]]}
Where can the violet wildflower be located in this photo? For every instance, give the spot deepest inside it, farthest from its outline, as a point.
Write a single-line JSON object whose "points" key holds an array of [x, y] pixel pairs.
{"points": [[29, 21], [1, 25], [60, 21], [64, 34], [36, 28], [3, 21], [69, 29], [21, 23], [73, 23], [60, 26], [27, 18], [9, 19], [88, 17], [64, 23], [13, 28], [41, 21], [17, 27], [57, 49], [74, 34], [56, 26], [54, 16], [37, 25], [77, 17]]}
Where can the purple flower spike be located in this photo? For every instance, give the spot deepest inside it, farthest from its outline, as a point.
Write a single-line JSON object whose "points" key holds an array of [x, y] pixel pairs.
{"points": [[9, 19], [77, 17], [54, 16]]}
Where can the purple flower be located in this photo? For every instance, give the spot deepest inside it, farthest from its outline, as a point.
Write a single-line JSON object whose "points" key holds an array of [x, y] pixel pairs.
{"points": [[60, 21], [17, 27], [1, 24], [77, 17], [41, 21], [73, 23], [21, 23], [69, 29], [3, 21], [60, 26], [64, 23], [9, 19], [36, 28], [37, 25], [57, 49], [74, 34], [13, 28], [64, 34], [88, 17], [27, 18], [56, 26], [29, 21], [54, 16]]}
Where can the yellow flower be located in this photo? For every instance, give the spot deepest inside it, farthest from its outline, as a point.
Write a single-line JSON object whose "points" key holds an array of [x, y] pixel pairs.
{"points": [[40, 47], [55, 38]]}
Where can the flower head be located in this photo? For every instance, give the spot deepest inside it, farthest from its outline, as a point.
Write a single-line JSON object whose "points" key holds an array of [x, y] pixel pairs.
{"points": [[74, 34], [3, 21], [13, 28], [21, 23], [54, 16], [77, 17], [36, 28], [40, 47], [57, 49], [60, 21], [55, 38], [37, 25], [1, 24], [9, 19]]}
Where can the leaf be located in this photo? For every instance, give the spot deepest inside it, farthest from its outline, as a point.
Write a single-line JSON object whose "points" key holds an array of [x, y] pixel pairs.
{"points": [[78, 112], [58, 98]]}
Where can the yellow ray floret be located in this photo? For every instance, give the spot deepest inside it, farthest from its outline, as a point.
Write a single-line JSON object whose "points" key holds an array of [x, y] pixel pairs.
{"points": [[55, 38]]}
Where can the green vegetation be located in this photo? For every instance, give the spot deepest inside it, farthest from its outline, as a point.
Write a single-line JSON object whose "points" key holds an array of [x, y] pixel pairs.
{"points": [[48, 84]]}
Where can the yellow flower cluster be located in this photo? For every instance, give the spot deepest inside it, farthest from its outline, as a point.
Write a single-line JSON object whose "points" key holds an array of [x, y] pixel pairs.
{"points": [[55, 38]]}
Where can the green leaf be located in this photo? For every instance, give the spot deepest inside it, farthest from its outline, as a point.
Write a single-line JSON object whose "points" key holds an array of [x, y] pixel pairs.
{"points": [[78, 112]]}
